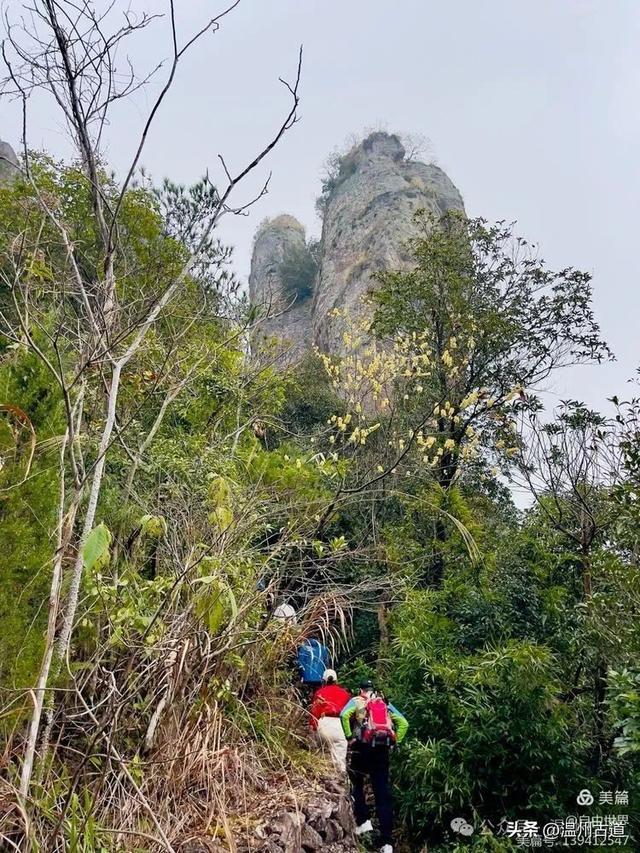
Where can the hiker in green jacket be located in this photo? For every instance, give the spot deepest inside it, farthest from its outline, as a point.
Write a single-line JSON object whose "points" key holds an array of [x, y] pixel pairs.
{"points": [[372, 727]]}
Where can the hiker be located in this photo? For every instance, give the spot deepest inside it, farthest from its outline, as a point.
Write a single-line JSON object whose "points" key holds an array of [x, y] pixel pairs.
{"points": [[372, 727], [326, 705], [285, 613], [313, 659]]}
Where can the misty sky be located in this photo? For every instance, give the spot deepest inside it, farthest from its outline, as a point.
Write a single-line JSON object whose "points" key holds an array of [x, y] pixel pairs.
{"points": [[531, 106]]}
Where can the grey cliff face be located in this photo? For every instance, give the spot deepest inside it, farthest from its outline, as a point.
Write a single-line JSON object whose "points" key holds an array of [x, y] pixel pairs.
{"points": [[368, 217], [8, 164], [286, 309]]}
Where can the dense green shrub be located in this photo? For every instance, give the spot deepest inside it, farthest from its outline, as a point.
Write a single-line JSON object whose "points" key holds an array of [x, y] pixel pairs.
{"points": [[27, 517], [298, 271], [488, 732]]}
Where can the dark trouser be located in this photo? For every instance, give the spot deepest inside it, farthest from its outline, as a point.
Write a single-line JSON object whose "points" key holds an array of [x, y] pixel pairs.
{"points": [[372, 761]]}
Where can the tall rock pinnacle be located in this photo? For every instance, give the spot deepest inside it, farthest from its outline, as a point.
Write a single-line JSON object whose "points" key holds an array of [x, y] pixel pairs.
{"points": [[368, 216], [281, 286]]}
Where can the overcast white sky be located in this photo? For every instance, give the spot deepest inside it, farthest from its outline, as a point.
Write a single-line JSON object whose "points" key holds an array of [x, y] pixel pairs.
{"points": [[531, 106]]}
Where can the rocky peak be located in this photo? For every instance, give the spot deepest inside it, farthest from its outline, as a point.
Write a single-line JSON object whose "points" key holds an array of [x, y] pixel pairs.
{"points": [[379, 145], [281, 286], [368, 208], [274, 240]]}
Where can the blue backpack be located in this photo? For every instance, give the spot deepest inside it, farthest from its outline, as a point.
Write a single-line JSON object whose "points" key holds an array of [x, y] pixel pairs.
{"points": [[313, 659]]}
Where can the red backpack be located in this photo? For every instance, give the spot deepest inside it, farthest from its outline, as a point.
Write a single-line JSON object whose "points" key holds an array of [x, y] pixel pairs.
{"points": [[377, 726]]}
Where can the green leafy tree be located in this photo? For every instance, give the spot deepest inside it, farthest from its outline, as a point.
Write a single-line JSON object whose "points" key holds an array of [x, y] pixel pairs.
{"points": [[499, 320], [624, 700]]}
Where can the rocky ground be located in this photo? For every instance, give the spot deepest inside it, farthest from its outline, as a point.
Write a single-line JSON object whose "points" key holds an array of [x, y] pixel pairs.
{"points": [[317, 818]]}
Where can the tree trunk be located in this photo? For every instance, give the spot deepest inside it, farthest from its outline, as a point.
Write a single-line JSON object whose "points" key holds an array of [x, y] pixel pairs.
{"points": [[586, 575], [599, 695], [437, 566], [383, 628], [54, 603], [587, 533]]}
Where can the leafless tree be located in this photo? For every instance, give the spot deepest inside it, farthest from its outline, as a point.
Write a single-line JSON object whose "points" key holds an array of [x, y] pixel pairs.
{"points": [[570, 465]]}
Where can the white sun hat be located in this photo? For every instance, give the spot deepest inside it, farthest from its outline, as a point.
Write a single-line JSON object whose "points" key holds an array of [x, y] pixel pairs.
{"points": [[285, 612]]}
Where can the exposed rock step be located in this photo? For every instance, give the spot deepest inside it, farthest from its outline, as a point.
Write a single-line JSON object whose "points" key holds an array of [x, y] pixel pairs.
{"points": [[323, 823]]}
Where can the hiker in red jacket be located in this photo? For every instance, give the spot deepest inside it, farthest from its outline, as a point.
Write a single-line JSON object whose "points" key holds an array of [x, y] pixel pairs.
{"points": [[326, 705]]}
